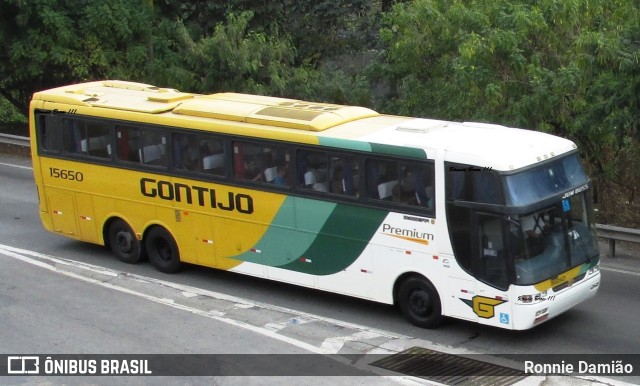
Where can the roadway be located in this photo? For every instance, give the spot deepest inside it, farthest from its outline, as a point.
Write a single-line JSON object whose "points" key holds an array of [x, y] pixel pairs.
{"points": [[43, 310]]}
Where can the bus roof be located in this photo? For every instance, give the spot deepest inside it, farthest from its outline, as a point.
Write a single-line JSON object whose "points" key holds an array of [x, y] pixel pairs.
{"points": [[263, 110], [352, 127], [487, 145]]}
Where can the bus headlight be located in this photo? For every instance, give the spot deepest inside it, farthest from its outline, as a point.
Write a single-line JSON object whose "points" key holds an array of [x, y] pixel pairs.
{"points": [[594, 269], [541, 312]]}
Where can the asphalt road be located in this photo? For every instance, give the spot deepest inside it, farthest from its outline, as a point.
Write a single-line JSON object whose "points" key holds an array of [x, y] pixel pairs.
{"points": [[76, 316]]}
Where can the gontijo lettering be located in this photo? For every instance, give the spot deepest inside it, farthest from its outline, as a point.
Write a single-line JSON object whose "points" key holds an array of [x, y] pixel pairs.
{"points": [[204, 196]]}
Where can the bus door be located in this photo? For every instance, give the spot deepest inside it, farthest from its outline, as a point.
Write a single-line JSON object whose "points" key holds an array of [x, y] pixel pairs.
{"points": [[481, 251], [489, 257]]}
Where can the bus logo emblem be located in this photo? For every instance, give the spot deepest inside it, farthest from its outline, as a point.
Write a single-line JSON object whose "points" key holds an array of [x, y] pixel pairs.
{"points": [[483, 306]]}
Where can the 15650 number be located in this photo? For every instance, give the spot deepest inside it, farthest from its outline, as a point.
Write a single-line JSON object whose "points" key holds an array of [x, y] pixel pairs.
{"points": [[66, 174]]}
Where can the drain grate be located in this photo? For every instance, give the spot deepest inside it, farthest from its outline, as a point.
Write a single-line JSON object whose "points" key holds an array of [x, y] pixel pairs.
{"points": [[449, 369]]}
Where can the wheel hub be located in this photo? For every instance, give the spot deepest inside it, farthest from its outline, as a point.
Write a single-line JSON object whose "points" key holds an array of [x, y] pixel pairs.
{"points": [[420, 303], [125, 241]]}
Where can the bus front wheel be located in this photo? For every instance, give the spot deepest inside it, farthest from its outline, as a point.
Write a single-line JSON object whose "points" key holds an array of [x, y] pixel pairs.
{"points": [[162, 250], [124, 243], [420, 303]]}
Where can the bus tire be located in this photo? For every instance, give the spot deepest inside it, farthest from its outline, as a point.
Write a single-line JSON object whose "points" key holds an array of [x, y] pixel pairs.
{"points": [[162, 250], [124, 243], [420, 303]]}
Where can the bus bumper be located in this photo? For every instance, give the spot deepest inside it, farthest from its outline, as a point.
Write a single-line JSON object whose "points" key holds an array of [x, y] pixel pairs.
{"points": [[531, 315]]}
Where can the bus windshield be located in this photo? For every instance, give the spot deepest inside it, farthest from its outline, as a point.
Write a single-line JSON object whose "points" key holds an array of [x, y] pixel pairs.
{"points": [[550, 241], [543, 181]]}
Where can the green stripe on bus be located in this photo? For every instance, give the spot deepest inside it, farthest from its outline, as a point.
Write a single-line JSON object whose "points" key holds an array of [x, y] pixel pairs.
{"points": [[289, 235], [322, 243], [341, 241], [376, 148], [401, 151], [346, 144]]}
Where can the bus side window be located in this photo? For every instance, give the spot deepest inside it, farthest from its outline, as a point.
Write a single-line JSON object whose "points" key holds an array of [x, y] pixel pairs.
{"points": [[278, 167], [47, 133], [154, 148], [313, 170], [186, 154], [97, 141], [382, 178], [419, 185], [212, 156], [345, 176], [74, 134], [255, 162], [247, 158], [128, 143]]}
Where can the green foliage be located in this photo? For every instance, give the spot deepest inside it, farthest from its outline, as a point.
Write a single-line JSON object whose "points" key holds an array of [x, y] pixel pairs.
{"points": [[530, 64], [232, 57], [9, 114], [46, 43], [318, 29], [197, 46], [569, 67]]}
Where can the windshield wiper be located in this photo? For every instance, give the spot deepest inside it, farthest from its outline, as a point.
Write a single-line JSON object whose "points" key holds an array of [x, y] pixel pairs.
{"points": [[574, 232]]}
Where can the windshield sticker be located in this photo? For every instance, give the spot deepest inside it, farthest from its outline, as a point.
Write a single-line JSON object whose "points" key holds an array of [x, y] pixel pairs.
{"points": [[471, 169], [576, 191]]}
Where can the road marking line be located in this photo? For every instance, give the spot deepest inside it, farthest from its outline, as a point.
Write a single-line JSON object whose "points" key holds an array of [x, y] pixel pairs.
{"points": [[329, 346], [619, 271], [168, 302], [17, 166], [18, 254], [241, 303], [335, 343]]}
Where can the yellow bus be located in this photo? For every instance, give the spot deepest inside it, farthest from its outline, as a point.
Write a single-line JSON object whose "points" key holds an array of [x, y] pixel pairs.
{"points": [[467, 220]]}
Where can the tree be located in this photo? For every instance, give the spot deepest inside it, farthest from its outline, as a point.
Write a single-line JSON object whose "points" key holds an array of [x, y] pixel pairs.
{"points": [[232, 57], [318, 29], [47, 43], [518, 62], [569, 67]]}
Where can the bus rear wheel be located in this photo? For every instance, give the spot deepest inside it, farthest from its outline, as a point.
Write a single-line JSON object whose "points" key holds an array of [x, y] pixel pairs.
{"points": [[162, 250], [124, 243], [420, 303]]}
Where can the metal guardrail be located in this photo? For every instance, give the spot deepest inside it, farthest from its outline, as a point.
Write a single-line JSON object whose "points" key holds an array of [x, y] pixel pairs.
{"points": [[614, 233], [15, 140], [610, 232]]}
